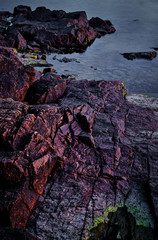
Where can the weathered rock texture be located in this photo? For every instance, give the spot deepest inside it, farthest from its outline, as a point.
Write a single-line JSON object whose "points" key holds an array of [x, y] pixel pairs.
{"points": [[45, 30], [48, 89], [15, 78], [96, 150]]}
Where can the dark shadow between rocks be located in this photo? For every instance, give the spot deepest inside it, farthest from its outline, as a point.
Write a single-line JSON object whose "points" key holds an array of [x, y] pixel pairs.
{"points": [[121, 225]]}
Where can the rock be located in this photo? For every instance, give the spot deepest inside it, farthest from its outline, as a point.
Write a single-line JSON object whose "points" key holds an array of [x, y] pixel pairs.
{"points": [[68, 76], [5, 14], [11, 234], [58, 13], [46, 90], [21, 9], [15, 39], [47, 70], [140, 55], [100, 167], [101, 27], [80, 149], [155, 48], [43, 56], [3, 24], [66, 60], [88, 152], [40, 14], [99, 143], [26, 161], [15, 79], [143, 101], [60, 31]]}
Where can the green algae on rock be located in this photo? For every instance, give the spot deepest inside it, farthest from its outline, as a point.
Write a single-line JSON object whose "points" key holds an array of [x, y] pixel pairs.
{"points": [[121, 222]]}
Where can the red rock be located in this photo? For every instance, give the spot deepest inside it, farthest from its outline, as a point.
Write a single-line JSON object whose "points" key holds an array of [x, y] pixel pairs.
{"points": [[15, 79], [42, 167]]}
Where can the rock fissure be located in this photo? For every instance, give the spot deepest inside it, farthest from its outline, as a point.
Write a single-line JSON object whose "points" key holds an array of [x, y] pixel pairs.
{"points": [[78, 148]]}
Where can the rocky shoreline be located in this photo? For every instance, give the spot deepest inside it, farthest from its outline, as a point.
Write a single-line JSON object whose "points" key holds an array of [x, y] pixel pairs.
{"points": [[78, 159], [43, 30]]}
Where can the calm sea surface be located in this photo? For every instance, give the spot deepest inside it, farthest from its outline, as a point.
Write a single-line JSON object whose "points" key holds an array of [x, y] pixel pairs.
{"points": [[136, 23]]}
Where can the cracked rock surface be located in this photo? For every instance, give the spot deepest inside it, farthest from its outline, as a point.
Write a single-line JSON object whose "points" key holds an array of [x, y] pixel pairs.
{"points": [[63, 162]]}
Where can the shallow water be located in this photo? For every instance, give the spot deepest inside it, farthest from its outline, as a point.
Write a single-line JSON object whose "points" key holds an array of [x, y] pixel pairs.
{"points": [[136, 24]]}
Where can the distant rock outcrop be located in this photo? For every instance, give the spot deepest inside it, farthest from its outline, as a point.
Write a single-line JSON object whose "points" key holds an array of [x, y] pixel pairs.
{"points": [[53, 30], [140, 55]]}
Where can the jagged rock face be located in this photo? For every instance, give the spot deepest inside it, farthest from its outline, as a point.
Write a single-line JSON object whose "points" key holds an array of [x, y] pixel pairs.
{"points": [[48, 89], [15, 79], [52, 30], [57, 30], [96, 150]]}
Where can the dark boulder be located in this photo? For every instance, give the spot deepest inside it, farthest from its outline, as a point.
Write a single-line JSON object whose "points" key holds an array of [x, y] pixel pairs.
{"points": [[40, 14], [49, 89], [20, 10], [140, 55], [16, 234], [58, 13], [5, 14], [16, 40], [4, 23], [101, 27]]}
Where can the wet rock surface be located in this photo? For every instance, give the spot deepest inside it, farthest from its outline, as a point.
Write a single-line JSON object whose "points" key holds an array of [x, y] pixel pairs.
{"points": [[71, 151], [44, 30], [140, 55]]}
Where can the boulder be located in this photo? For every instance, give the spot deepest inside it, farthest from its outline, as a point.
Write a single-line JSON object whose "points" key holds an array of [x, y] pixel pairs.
{"points": [[20, 10], [15, 78], [15, 39], [140, 55], [101, 26], [4, 15], [49, 89]]}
